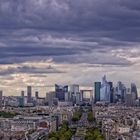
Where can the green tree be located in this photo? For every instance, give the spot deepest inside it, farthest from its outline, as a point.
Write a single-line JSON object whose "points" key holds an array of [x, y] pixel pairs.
{"points": [[64, 133], [76, 116], [52, 138], [94, 134], [8, 114], [90, 117]]}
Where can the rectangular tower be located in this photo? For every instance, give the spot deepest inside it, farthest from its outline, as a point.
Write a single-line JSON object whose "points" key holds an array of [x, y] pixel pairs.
{"points": [[97, 86], [1, 98], [29, 94]]}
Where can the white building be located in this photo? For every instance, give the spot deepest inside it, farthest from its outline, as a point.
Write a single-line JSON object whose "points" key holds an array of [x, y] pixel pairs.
{"points": [[122, 130]]}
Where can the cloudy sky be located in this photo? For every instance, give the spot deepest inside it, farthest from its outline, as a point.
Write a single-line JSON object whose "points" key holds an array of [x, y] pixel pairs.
{"points": [[43, 42]]}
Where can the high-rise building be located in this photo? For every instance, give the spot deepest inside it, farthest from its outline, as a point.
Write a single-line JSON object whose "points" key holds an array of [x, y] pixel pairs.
{"points": [[29, 94], [105, 90], [1, 98], [111, 92], [73, 90], [97, 86], [81, 96], [60, 92], [78, 98], [120, 92], [21, 101], [36, 94], [134, 91], [22, 93], [129, 99], [119, 88], [49, 97], [67, 96]]}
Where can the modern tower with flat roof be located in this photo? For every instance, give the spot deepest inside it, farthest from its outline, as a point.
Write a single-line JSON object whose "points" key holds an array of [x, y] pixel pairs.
{"points": [[134, 91], [29, 94], [97, 86], [22, 93], [36, 94], [0, 98]]}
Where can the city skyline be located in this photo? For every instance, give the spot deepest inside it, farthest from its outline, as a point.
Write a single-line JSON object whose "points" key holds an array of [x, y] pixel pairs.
{"points": [[44, 42], [42, 90], [103, 91]]}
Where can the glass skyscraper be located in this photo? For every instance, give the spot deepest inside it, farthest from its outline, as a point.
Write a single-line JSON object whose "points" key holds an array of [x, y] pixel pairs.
{"points": [[105, 90], [29, 94], [60, 92], [134, 91], [97, 86], [111, 92]]}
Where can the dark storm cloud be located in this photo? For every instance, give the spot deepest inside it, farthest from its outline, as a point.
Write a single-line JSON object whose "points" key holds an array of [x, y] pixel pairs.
{"points": [[17, 54], [68, 30], [65, 15]]}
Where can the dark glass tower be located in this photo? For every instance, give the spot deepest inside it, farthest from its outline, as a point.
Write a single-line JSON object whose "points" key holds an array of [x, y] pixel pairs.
{"points": [[97, 86], [36, 94], [29, 94], [60, 92], [0, 98], [134, 91], [111, 92]]}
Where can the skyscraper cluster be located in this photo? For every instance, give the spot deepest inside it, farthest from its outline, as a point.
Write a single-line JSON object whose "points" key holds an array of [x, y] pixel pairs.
{"points": [[69, 93], [105, 92]]}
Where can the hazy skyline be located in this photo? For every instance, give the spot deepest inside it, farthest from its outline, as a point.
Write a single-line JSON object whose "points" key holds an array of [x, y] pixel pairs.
{"points": [[43, 42]]}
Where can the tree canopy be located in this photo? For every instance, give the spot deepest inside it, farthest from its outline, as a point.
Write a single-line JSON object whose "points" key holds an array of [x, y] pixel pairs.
{"points": [[94, 134]]}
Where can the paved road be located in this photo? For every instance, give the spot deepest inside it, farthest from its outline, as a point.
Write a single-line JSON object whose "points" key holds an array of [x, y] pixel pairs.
{"points": [[83, 121]]}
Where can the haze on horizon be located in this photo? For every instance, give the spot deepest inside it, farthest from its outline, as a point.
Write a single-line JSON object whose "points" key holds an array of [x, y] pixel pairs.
{"points": [[43, 42]]}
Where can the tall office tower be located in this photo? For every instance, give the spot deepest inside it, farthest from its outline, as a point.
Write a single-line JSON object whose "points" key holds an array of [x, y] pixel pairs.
{"points": [[0, 98], [97, 86], [78, 98], [22, 93], [134, 91], [111, 92], [67, 96], [36, 94], [91, 97], [105, 90], [123, 94], [29, 94], [119, 88], [120, 92], [73, 89], [81, 96], [129, 99], [49, 97], [21, 99], [60, 92]]}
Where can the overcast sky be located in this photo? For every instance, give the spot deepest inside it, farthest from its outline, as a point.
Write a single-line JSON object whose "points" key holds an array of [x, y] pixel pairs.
{"points": [[43, 42]]}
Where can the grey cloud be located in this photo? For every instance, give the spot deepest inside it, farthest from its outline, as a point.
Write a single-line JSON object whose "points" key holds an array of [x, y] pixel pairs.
{"points": [[30, 70], [76, 27], [90, 33], [23, 53], [69, 15], [99, 58]]}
